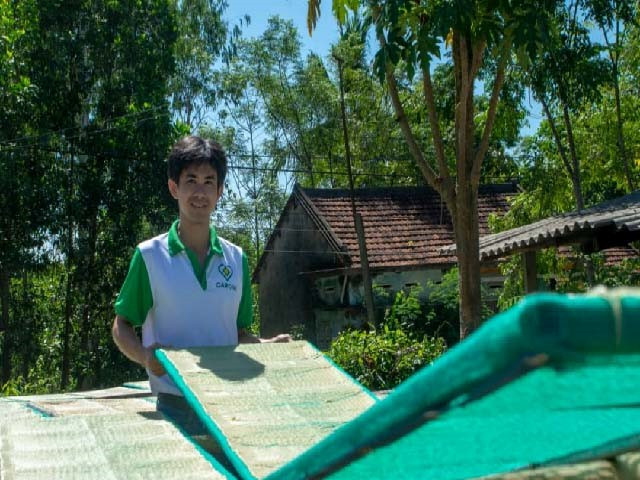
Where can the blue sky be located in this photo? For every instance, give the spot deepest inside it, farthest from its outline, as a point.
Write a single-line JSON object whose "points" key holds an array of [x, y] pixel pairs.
{"points": [[296, 10]]}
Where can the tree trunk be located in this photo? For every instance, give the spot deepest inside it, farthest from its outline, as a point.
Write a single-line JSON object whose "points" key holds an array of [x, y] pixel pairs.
{"points": [[575, 173], [614, 57], [64, 379], [619, 123], [29, 323], [85, 342], [68, 303], [6, 344], [467, 233]]}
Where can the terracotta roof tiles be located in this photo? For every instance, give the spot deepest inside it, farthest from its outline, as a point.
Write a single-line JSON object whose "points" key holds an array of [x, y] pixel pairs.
{"points": [[403, 226]]}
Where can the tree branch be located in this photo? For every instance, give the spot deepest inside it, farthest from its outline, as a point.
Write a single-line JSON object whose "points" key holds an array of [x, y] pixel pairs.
{"points": [[556, 135], [478, 56], [491, 113], [426, 169], [438, 143], [462, 111], [574, 157], [424, 166]]}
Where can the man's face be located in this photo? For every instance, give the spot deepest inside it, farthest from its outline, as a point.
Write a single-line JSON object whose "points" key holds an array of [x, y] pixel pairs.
{"points": [[197, 193]]}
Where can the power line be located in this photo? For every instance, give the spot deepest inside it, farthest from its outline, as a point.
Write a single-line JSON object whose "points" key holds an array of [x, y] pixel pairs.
{"points": [[78, 127]]}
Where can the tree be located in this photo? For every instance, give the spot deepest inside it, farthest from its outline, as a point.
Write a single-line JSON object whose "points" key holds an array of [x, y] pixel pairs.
{"points": [[411, 35], [85, 141], [612, 17], [26, 189], [568, 75], [203, 39]]}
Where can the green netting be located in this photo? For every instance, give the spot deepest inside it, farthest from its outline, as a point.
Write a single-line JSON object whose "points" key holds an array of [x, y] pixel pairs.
{"points": [[119, 446], [596, 470], [552, 381], [265, 403], [140, 385]]}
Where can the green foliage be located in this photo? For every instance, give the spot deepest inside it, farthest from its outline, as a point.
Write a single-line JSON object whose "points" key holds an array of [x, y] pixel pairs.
{"points": [[405, 312], [297, 331], [566, 273], [83, 180], [384, 357]]}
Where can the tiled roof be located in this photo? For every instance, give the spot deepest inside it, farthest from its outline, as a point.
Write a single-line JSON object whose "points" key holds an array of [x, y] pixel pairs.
{"points": [[615, 255], [609, 221], [404, 226]]}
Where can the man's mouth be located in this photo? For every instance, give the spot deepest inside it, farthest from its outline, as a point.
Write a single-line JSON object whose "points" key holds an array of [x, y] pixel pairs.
{"points": [[198, 204]]}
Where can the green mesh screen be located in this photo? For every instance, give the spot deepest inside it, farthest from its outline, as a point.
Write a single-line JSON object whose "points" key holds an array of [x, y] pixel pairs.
{"points": [[552, 381], [265, 403]]}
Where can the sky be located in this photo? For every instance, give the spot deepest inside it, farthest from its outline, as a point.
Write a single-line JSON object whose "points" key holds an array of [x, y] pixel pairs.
{"points": [[326, 31]]}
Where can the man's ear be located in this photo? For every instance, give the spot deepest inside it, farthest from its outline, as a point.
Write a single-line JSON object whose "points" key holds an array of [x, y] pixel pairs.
{"points": [[173, 188], [220, 190]]}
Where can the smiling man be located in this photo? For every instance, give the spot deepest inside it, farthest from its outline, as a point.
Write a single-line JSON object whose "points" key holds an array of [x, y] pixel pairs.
{"points": [[187, 287]]}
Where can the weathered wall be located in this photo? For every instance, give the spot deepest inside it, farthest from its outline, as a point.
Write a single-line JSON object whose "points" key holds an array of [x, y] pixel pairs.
{"points": [[338, 305], [285, 295]]}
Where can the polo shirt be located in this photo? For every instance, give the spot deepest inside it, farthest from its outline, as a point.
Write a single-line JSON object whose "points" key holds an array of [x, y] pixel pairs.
{"points": [[180, 304]]}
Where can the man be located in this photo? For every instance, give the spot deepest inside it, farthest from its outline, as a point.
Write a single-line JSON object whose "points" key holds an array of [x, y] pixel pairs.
{"points": [[187, 287]]}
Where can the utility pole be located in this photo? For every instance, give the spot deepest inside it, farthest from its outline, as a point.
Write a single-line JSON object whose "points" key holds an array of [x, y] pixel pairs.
{"points": [[357, 218]]}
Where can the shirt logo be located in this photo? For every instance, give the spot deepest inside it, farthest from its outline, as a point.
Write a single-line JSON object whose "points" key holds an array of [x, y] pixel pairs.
{"points": [[225, 271]]}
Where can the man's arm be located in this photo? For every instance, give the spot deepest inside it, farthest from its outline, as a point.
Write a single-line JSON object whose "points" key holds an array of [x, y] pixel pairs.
{"points": [[245, 312], [245, 337], [129, 344]]}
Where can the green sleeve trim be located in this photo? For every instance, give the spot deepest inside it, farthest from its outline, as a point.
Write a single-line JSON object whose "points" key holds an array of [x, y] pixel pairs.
{"points": [[245, 311], [191, 399], [135, 298]]}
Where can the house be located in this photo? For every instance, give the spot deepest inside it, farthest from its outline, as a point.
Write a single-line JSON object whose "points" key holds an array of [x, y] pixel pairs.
{"points": [[310, 277]]}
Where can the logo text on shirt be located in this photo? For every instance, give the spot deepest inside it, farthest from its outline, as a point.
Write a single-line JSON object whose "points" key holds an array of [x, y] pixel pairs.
{"points": [[230, 286]]}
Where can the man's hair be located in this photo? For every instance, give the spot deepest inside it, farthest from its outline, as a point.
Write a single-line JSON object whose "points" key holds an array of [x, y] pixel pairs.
{"points": [[193, 150]]}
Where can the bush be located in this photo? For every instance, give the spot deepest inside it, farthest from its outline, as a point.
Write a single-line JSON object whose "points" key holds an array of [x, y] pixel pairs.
{"points": [[381, 359]]}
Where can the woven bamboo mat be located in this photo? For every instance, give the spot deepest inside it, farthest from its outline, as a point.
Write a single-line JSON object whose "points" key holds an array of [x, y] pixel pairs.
{"points": [[93, 402], [266, 403], [119, 446], [100, 406]]}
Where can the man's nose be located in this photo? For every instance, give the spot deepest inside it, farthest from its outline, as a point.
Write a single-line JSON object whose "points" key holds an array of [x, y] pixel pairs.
{"points": [[200, 189]]}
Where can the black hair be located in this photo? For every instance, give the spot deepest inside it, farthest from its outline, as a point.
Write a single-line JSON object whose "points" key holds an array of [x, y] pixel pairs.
{"points": [[193, 150]]}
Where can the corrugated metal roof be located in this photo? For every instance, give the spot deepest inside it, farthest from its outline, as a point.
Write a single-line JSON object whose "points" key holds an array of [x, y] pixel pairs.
{"points": [[620, 216]]}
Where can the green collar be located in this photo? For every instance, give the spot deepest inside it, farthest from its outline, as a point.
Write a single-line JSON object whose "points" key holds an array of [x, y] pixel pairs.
{"points": [[176, 246]]}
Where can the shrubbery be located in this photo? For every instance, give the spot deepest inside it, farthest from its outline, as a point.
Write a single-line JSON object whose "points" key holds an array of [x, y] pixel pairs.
{"points": [[382, 358]]}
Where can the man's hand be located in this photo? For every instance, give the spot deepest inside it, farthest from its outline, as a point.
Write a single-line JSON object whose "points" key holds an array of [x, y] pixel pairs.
{"points": [[151, 363], [282, 338], [246, 337]]}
